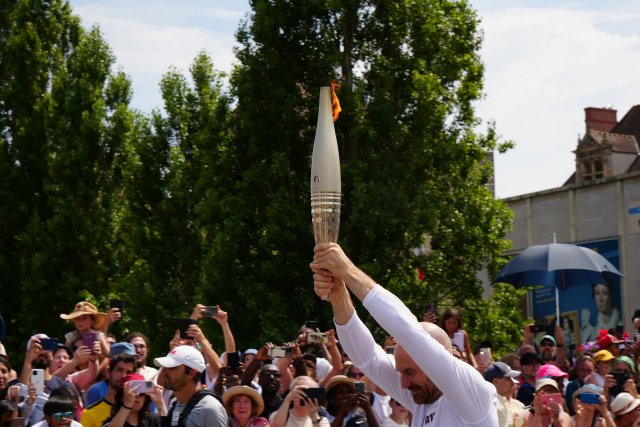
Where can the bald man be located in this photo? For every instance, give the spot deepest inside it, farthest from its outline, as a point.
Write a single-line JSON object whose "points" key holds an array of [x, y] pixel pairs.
{"points": [[423, 375]]}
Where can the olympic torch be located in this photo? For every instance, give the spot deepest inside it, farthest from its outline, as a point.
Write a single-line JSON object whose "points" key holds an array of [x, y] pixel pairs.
{"points": [[325, 176]]}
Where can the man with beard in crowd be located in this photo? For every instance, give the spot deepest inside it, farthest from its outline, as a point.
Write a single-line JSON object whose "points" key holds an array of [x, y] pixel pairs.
{"points": [[268, 380], [119, 367], [37, 358], [422, 375]]}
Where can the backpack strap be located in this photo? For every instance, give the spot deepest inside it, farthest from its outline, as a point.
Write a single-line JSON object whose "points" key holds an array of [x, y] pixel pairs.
{"points": [[197, 397]]}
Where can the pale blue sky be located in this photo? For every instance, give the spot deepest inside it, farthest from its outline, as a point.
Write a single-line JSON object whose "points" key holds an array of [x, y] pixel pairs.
{"points": [[546, 60]]}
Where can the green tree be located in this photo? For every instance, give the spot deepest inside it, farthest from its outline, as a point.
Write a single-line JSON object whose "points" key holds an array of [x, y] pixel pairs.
{"points": [[412, 163], [170, 181], [64, 126]]}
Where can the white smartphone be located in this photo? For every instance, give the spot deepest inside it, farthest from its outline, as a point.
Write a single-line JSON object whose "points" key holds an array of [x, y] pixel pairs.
{"points": [[37, 379], [458, 340]]}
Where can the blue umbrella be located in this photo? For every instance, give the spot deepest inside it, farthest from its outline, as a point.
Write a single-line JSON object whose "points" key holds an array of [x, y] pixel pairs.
{"points": [[557, 265]]}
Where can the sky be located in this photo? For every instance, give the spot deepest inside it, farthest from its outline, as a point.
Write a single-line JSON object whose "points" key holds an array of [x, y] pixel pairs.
{"points": [[545, 62]]}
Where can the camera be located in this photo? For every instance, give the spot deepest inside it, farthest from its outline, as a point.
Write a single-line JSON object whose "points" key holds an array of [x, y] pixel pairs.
{"points": [[279, 352], [390, 349], [317, 338], [315, 393], [209, 311], [359, 386]]}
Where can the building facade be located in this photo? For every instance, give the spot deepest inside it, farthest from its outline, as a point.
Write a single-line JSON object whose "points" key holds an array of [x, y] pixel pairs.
{"points": [[598, 207]]}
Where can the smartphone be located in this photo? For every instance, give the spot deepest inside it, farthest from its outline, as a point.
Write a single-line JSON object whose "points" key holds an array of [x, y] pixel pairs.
{"points": [[546, 399], [14, 394], [37, 379], [484, 357], [431, 308], [117, 303], [359, 386], [233, 360], [317, 338], [458, 340], [311, 324], [88, 338], [184, 325], [209, 311], [143, 387], [279, 352], [590, 398], [620, 377], [390, 349], [49, 344], [315, 393]]}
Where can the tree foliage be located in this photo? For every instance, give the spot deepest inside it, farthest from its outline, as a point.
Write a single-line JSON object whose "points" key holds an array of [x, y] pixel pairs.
{"points": [[207, 200]]}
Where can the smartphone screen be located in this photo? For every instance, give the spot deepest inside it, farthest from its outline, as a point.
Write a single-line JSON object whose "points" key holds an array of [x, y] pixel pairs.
{"points": [[184, 325], [209, 311]]}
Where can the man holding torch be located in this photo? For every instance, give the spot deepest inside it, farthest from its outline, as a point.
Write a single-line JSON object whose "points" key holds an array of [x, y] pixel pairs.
{"points": [[422, 375]]}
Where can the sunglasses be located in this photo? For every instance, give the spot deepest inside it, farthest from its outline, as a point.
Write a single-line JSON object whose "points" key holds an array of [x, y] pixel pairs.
{"points": [[58, 416]]}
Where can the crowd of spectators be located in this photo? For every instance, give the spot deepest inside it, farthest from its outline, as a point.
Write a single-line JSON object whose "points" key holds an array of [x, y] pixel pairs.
{"points": [[94, 379]]}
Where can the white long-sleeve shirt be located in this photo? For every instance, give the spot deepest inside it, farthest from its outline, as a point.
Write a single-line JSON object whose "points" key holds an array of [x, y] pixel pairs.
{"points": [[467, 399]]}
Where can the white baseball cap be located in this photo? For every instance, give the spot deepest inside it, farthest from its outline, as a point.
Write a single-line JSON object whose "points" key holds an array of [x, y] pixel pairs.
{"points": [[182, 355]]}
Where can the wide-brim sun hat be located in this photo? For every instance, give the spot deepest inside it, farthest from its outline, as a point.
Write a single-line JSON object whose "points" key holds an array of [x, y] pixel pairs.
{"points": [[340, 379], [85, 307], [252, 393], [624, 403]]}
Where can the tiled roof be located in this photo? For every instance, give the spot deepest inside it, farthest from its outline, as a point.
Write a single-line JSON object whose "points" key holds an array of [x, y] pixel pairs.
{"points": [[619, 143], [630, 123]]}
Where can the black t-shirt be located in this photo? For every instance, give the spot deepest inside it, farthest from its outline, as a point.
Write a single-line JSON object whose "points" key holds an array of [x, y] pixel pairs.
{"points": [[525, 394], [269, 408]]}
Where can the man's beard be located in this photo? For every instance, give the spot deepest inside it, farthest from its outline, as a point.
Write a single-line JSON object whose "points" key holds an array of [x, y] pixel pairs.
{"points": [[427, 395], [547, 356]]}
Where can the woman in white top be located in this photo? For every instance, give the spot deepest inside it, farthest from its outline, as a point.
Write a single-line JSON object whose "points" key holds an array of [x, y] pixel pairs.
{"points": [[400, 416], [304, 412]]}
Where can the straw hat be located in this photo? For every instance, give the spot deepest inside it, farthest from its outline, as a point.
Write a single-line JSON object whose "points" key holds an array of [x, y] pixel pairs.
{"points": [[340, 379], [85, 307], [253, 394]]}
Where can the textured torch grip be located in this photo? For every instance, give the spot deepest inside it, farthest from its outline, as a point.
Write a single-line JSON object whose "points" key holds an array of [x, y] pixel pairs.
{"points": [[325, 216]]}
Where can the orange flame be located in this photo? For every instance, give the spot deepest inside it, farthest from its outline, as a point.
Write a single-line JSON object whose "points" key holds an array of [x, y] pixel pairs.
{"points": [[335, 102]]}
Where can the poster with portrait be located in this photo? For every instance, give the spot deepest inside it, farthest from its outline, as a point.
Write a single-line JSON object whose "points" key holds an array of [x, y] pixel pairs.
{"points": [[589, 307], [570, 326]]}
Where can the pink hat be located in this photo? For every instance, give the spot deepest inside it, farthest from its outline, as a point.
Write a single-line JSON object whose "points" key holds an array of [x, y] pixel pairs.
{"points": [[550, 371]]}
